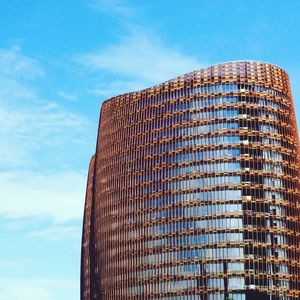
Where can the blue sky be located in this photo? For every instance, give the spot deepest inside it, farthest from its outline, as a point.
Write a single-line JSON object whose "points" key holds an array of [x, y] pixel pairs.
{"points": [[59, 59]]}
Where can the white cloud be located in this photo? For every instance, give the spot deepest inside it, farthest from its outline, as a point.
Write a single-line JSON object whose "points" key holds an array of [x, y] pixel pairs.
{"points": [[57, 233], [57, 196], [36, 133], [14, 64], [141, 58], [116, 87], [113, 6], [29, 129], [15, 91], [37, 289], [9, 265], [31, 123], [67, 96]]}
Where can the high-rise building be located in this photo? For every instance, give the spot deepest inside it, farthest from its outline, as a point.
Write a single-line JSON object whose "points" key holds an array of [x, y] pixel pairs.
{"points": [[193, 192]]}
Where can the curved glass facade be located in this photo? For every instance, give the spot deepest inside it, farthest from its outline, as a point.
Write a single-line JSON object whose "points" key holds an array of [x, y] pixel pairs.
{"points": [[194, 190]]}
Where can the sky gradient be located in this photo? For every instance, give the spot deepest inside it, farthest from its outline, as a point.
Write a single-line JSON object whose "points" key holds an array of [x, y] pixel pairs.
{"points": [[59, 59]]}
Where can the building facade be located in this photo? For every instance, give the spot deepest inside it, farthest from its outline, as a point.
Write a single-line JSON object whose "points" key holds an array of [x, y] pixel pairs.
{"points": [[193, 192]]}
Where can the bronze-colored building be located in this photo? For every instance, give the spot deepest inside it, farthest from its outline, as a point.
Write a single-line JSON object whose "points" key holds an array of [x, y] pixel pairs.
{"points": [[193, 192]]}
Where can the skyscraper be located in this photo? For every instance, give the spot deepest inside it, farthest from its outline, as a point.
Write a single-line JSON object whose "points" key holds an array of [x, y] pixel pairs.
{"points": [[193, 192]]}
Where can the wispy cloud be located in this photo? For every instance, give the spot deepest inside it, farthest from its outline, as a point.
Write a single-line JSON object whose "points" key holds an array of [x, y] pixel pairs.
{"points": [[58, 197], [36, 131], [116, 87], [139, 58], [29, 129], [67, 96], [30, 122], [14, 64], [9, 265], [38, 288], [57, 233], [113, 6]]}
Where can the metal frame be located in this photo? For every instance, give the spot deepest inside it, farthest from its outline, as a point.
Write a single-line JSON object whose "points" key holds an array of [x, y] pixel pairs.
{"points": [[146, 190]]}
